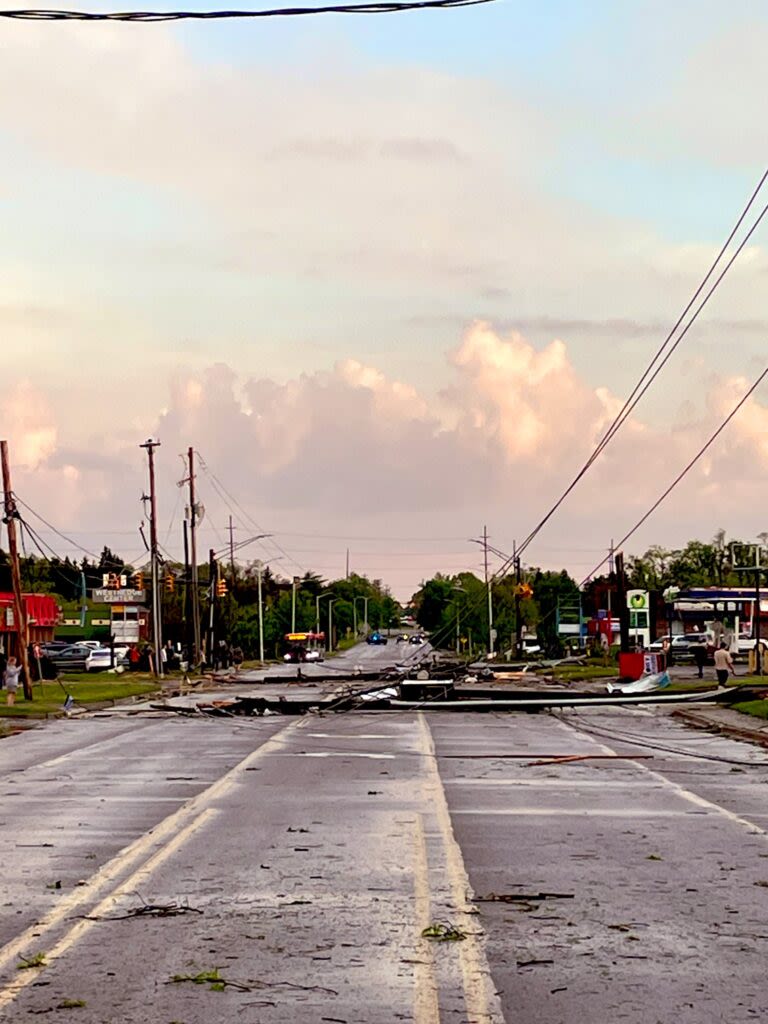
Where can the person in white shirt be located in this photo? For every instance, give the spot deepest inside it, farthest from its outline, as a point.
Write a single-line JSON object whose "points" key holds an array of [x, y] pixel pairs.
{"points": [[723, 664]]}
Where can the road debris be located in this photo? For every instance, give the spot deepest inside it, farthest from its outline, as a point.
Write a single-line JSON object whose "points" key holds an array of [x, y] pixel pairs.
{"points": [[443, 933]]}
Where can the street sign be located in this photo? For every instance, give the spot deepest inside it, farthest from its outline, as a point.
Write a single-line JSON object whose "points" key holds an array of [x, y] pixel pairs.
{"points": [[124, 596]]}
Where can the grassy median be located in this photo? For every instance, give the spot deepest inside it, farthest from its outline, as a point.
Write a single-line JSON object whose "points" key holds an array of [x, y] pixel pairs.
{"points": [[100, 687]]}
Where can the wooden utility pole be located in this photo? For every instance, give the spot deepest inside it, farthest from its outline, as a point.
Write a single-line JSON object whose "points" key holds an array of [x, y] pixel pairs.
{"points": [[232, 551], [489, 588], [518, 616], [196, 654], [157, 629], [621, 597], [19, 609]]}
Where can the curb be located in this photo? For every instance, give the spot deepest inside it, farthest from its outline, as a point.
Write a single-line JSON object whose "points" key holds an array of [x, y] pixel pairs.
{"points": [[701, 721]]}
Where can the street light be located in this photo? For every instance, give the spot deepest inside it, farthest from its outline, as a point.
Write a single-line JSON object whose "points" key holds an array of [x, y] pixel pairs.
{"points": [[365, 613]]}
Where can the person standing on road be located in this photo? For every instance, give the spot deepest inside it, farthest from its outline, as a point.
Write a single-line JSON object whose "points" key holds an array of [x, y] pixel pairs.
{"points": [[723, 664], [699, 652], [11, 680]]}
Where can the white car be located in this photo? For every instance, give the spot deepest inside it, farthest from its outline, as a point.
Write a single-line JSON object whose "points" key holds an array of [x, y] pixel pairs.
{"points": [[681, 643], [100, 658], [746, 643]]}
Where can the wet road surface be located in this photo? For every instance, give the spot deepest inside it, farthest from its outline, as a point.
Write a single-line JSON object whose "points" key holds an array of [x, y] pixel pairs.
{"points": [[307, 855]]}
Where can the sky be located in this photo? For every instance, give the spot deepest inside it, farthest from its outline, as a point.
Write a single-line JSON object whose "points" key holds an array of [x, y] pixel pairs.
{"points": [[390, 275]]}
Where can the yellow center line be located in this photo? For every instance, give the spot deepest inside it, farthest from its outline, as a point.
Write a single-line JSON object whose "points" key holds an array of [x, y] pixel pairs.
{"points": [[426, 1009], [482, 1003]]}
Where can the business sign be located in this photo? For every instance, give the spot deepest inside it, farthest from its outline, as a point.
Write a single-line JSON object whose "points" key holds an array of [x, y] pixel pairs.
{"points": [[108, 596]]}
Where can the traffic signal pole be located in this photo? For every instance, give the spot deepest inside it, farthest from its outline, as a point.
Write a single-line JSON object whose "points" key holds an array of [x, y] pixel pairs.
{"points": [[156, 613], [196, 655]]}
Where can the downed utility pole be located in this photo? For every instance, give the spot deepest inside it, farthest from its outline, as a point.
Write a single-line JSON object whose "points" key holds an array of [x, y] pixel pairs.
{"points": [[19, 609]]}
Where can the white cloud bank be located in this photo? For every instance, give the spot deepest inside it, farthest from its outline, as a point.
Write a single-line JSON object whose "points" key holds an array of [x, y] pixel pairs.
{"points": [[350, 450]]}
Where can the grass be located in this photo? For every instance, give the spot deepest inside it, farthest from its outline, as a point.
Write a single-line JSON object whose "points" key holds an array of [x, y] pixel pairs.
{"points": [[91, 689], [575, 673], [755, 708]]}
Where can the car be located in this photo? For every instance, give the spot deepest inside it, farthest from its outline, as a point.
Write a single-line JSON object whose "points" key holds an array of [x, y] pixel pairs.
{"points": [[417, 638], [93, 644], [376, 638], [100, 658], [680, 643], [402, 638], [69, 659], [746, 643], [531, 645]]}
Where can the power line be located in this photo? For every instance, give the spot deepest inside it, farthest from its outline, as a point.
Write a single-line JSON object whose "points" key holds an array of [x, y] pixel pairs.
{"points": [[650, 373], [58, 533], [713, 437], [392, 7]]}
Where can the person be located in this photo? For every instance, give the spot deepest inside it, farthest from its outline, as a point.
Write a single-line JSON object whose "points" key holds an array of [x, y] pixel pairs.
{"points": [[133, 658], [237, 657], [11, 680], [723, 664], [699, 652]]}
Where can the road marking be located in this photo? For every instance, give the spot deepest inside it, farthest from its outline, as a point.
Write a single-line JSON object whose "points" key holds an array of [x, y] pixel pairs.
{"points": [[163, 833], [129, 885], [686, 794], [343, 753], [86, 748], [482, 1003], [426, 1009]]}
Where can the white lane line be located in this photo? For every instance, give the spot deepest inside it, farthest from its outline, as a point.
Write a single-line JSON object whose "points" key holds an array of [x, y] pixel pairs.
{"points": [[86, 749], [482, 1003], [131, 884], [342, 753], [686, 794], [573, 812], [143, 846], [426, 1008]]}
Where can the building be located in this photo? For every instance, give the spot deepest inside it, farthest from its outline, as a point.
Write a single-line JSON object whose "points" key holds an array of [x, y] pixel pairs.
{"points": [[43, 615]]}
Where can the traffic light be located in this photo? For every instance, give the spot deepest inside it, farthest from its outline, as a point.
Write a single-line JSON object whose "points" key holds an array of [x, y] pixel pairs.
{"points": [[138, 580], [221, 588], [170, 584]]}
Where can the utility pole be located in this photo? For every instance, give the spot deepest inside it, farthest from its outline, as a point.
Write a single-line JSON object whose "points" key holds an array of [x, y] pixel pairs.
{"points": [[196, 654], [621, 597], [296, 581], [213, 577], [518, 619], [150, 446], [231, 550], [346, 576], [259, 569], [19, 608], [489, 588]]}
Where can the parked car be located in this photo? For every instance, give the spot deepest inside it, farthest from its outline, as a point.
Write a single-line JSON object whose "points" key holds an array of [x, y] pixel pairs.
{"points": [[681, 643], [100, 658], [531, 645], [69, 659], [746, 643]]}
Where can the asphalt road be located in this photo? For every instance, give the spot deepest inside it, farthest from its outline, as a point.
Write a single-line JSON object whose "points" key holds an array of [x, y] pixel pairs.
{"points": [[307, 855]]}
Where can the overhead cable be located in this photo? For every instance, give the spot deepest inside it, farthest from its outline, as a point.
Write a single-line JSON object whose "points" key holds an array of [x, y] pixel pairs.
{"points": [[392, 7], [662, 355], [712, 438]]}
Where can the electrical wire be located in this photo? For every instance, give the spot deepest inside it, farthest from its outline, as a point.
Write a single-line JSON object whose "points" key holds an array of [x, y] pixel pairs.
{"points": [[680, 476], [216, 483], [651, 744], [652, 370], [58, 533], [390, 7]]}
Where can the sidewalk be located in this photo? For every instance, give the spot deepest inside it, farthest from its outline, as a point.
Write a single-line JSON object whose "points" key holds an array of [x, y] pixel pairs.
{"points": [[725, 721]]}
